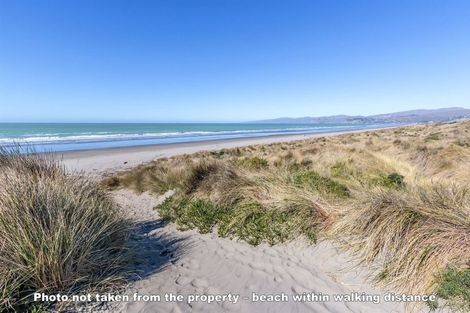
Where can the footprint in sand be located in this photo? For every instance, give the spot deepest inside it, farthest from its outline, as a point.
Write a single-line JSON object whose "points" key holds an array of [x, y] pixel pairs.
{"points": [[277, 279], [192, 265], [299, 289], [199, 283], [182, 280], [259, 266]]}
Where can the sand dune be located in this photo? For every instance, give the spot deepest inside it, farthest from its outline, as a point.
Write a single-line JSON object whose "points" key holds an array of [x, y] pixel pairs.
{"points": [[190, 263], [108, 160]]}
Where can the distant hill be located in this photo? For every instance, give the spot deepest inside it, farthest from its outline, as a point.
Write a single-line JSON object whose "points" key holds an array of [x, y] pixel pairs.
{"points": [[406, 117]]}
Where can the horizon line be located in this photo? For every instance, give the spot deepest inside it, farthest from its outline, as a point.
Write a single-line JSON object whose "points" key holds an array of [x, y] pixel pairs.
{"points": [[220, 121]]}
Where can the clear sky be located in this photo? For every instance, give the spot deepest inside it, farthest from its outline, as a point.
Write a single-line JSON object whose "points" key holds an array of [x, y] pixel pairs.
{"points": [[229, 60]]}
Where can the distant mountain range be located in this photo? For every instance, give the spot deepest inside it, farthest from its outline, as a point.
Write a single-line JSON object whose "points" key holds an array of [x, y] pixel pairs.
{"points": [[405, 117]]}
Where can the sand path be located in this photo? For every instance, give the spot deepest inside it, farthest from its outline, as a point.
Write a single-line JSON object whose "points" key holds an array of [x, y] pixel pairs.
{"points": [[191, 263]]}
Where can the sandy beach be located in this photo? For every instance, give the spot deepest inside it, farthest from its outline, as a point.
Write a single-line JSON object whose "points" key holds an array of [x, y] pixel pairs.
{"points": [[108, 160], [189, 263], [335, 222], [234, 156]]}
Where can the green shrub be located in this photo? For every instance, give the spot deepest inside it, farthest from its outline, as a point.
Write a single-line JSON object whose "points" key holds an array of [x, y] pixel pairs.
{"points": [[172, 208], [190, 214], [253, 224], [248, 221], [323, 184], [394, 180], [454, 286], [217, 154], [254, 163]]}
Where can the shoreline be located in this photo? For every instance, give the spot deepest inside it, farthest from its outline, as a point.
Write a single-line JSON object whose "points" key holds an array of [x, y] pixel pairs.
{"points": [[100, 161]]}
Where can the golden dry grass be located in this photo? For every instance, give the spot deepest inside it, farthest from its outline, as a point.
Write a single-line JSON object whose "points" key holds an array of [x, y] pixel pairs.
{"points": [[58, 232], [409, 235], [397, 197]]}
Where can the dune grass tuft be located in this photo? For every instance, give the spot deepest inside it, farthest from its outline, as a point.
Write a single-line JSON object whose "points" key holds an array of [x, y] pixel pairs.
{"points": [[253, 163], [242, 205], [58, 232], [326, 185], [248, 221], [409, 235]]}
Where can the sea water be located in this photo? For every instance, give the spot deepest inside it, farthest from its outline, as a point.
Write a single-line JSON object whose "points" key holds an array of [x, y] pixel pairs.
{"points": [[86, 136]]}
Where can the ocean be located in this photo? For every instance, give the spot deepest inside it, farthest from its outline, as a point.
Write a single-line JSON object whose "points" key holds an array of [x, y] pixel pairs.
{"points": [[51, 137]]}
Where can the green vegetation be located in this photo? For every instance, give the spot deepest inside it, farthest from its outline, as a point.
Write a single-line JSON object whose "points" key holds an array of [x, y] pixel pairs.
{"points": [[423, 226], [454, 286], [58, 232], [247, 221], [341, 169], [393, 180], [431, 137], [217, 154], [314, 181], [397, 198], [253, 163], [191, 214]]}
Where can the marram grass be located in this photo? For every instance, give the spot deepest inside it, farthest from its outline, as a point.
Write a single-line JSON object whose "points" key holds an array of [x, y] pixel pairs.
{"points": [[58, 232], [397, 198]]}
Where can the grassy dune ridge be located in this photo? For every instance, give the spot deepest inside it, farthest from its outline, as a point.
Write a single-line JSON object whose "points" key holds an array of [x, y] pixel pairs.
{"points": [[59, 232], [398, 198]]}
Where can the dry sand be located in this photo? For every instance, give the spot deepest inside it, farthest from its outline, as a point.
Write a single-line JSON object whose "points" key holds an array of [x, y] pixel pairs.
{"points": [[171, 261], [188, 263]]}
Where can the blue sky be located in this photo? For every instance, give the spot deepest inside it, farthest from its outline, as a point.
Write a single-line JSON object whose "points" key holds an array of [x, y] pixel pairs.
{"points": [[232, 60]]}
